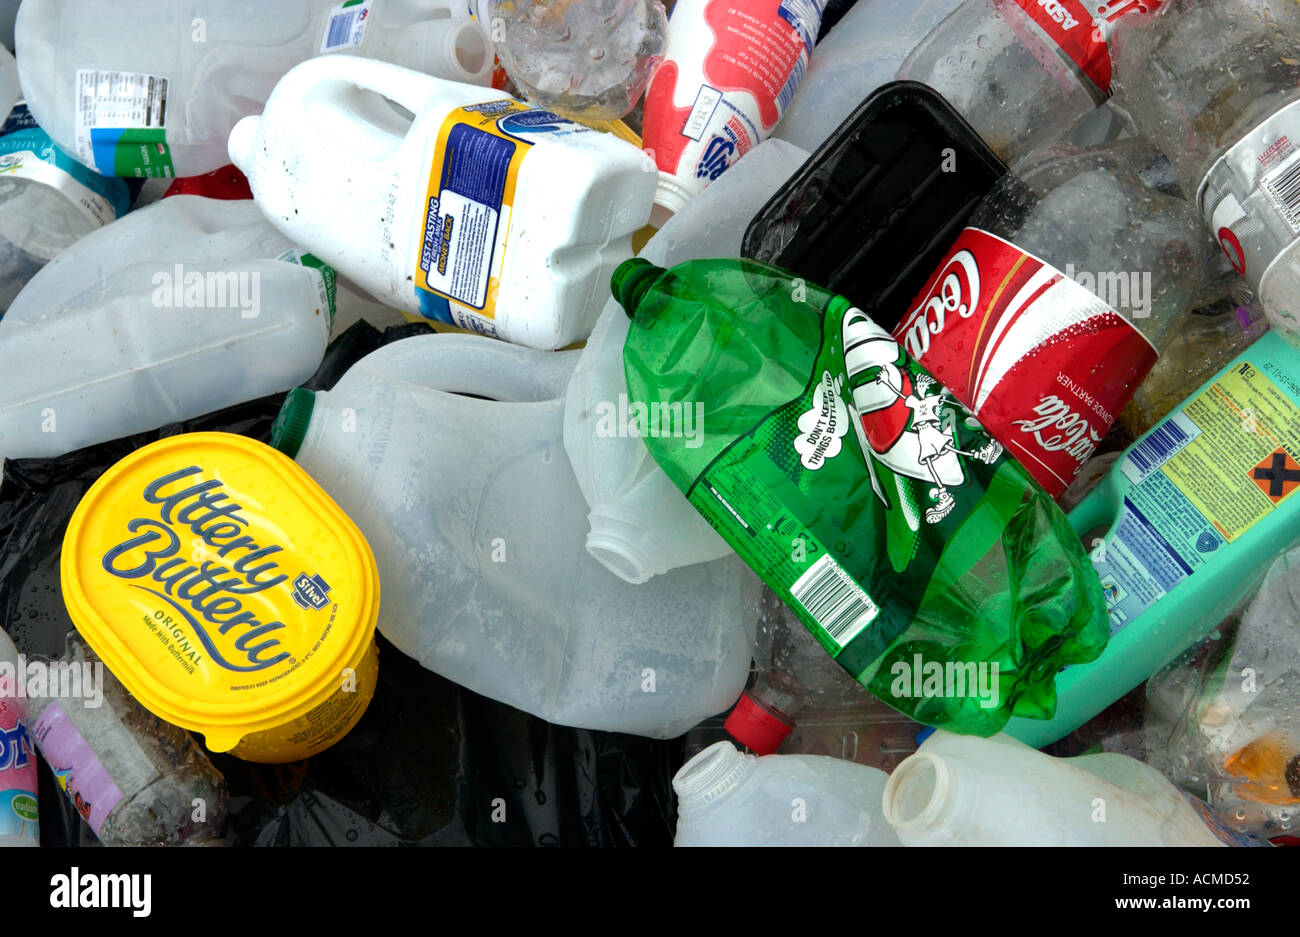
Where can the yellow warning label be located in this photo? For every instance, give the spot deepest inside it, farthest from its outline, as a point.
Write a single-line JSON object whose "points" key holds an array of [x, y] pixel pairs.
{"points": [[1245, 461]]}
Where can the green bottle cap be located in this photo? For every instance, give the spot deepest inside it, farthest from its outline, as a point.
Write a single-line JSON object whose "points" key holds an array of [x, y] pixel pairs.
{"points": [[631, 281], [291, 424]]}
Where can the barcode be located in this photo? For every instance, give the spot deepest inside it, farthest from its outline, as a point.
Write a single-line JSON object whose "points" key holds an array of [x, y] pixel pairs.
{"points": [[1163, 444], [340, 29], [1283, 186], [834, 600], [792, 85]]}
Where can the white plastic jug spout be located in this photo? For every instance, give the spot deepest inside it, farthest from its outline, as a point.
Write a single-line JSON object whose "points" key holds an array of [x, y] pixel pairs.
{"points": [[621, 542], [455, 48], [924, 799], [710, 776]]}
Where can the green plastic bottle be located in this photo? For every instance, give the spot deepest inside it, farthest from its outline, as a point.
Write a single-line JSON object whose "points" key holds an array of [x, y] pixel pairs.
{"points": [[925, 560]]}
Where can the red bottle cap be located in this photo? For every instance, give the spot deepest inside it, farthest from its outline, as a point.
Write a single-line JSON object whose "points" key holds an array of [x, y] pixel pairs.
{"points": [[757, 727], [226, 183]]}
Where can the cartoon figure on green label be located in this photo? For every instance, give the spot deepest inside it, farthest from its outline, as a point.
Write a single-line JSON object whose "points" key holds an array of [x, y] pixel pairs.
{"points": [[901, 424], [935, 444]]}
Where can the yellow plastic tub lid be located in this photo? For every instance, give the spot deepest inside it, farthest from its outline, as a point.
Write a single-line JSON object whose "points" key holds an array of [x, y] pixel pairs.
{"points": [[220, 584]]}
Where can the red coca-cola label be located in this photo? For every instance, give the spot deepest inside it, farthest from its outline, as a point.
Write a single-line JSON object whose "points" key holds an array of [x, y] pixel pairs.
{"points": [[1080, 29], [1040, 360]]}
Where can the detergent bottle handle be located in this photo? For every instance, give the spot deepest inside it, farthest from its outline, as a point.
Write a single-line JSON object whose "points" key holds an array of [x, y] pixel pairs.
{"points": [[412, 90], [1100, 507]]}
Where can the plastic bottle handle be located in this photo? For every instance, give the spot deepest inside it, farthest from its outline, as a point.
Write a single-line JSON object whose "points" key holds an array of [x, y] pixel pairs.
{"points": [[412, 90], [469, 364]]}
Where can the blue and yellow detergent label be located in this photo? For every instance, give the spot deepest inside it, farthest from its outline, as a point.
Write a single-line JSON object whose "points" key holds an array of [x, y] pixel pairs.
{"points": [[1203, 477], [228, 593], [467, 208]]}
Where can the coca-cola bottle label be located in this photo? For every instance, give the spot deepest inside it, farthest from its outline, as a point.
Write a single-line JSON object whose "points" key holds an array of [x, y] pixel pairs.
{"points": [[1080, 29], [1041, 361], [1250, 198]]}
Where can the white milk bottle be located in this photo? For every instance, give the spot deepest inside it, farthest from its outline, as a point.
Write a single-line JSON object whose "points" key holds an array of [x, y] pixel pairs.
{"points": [[962, 790], [477, 525], [143, 88], [177, 310], [447, 200], [728, 798]]}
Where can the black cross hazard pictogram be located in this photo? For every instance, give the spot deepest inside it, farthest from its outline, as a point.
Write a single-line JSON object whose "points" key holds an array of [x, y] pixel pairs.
{"points": [[1277, 476]]}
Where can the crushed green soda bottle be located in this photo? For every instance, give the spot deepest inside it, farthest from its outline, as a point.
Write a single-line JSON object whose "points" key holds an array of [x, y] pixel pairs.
{"points": [[924, 559]]}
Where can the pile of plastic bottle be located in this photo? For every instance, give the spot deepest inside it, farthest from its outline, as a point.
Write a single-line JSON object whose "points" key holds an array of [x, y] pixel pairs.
{"points": [[882, 396]]}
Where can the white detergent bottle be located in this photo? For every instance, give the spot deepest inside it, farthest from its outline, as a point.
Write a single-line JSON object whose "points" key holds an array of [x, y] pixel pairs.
{"points": [[641, 523], [149, 88], [961, 790], [728, 798], [477, 525], [176, 310], [449, 201]]}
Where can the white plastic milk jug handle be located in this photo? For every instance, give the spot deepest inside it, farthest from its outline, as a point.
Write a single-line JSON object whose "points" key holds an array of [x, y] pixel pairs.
{"points": [[484, 367]]}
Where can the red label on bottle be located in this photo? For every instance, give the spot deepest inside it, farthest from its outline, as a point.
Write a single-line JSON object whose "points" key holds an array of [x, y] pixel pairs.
{"points": [[1041, 361], [730, 71], [1080, 29]]}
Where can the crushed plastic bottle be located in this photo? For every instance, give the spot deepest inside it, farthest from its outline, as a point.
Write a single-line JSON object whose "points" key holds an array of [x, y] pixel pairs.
{"points": [[1022, 72], [1226, 110], [136, 780], [585, 59], [132, 88], [1225, 723], [48, 201], [878, 509], [728, 798], [177, 310]]}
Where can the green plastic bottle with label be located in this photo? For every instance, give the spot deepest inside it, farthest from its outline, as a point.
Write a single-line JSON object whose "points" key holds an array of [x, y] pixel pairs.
{"points": [[921, 556], [1185, 525]]}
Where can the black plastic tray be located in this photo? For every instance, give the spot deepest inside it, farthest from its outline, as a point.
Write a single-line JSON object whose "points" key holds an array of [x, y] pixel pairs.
{"points": [[871, 213]]}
